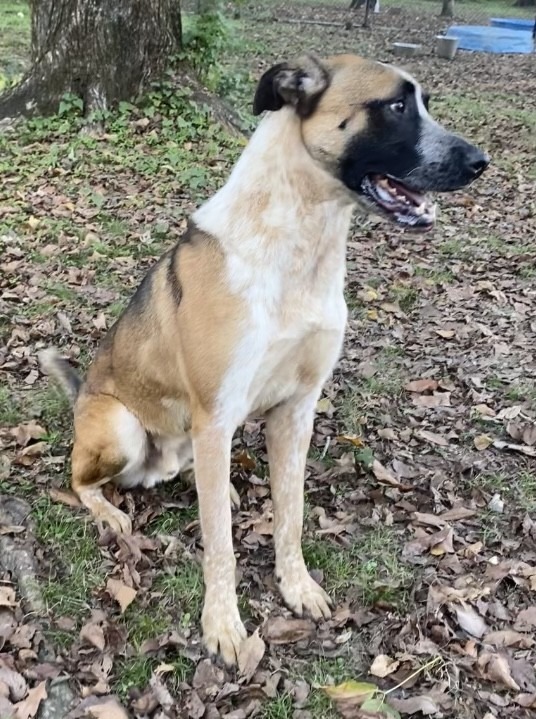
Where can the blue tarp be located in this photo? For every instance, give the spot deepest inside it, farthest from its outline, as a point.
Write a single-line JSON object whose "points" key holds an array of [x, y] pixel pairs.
{"points": [[492, 39], [512, 23]]}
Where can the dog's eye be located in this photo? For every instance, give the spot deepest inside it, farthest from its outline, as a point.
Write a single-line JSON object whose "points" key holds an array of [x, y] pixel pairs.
{"points": [[398, 107], [343, 124]]}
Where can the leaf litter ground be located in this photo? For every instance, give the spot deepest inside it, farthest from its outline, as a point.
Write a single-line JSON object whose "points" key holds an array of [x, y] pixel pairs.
{"points": [[420, 490]]}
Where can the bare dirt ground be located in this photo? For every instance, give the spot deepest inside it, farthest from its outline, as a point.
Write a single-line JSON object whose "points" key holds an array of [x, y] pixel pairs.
{"points": [[421, 484]]}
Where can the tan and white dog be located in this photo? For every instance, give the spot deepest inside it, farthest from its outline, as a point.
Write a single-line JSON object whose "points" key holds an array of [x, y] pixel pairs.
{"points": [[246, 313]]}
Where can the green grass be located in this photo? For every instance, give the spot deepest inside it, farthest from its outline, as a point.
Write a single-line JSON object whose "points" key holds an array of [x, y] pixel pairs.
{"points": [[182, 589], [72, 546], [14, 40], [135, 673], [370, 569], [10, 412], [386, 382], [173, 521]]}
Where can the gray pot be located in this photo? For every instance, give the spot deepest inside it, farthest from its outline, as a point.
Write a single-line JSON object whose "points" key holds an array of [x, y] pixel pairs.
{"points": [[446, 46], [406, 49]]}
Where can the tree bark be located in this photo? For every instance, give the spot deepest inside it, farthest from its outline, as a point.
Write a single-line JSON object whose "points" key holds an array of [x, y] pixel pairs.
{"points": [[103, 51], [447, 10]]}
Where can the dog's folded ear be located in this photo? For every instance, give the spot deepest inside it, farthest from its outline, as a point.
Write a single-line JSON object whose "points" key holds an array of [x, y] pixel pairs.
{"points": [[298, 84]]}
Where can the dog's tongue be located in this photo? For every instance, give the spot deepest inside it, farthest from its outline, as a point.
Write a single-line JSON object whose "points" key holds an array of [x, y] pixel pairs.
{"points": [[410, 194]]}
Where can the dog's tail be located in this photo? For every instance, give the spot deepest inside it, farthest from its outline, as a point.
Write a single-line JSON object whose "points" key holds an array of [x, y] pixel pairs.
{"points": [[56, 366]]}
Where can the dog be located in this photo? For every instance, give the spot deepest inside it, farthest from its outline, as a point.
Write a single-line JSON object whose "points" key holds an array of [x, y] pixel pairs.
{"points": [[245, 315]]}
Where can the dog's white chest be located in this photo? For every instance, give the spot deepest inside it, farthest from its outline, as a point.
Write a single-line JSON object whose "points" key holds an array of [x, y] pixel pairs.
{"points": [[293, 347]]}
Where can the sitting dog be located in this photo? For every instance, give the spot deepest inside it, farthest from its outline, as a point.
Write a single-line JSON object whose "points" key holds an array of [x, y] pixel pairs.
{"points": [[246, 313]]}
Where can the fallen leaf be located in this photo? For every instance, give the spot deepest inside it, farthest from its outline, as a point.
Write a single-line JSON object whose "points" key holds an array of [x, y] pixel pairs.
{"points": [[15, 683], [430, 401], [110, 709], [444, 545], [385, 477], [100, 321], [352, 438], [250, 655], [8, 598], [495, 668], [484, 410], [325, 406], [28, 431], [432, 437], [526, 700], [29, 706], [377, 707], [526, 619], [351, 690], [423, 704], [446, 334], [421, 385], [279, 630], [470, 621], [508, 638], [457, 513], [496, 504], [482, 442], [123, 594], [383, 665], [93, 634]]}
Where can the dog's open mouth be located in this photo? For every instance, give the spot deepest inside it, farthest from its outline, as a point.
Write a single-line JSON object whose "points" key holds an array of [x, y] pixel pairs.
{"points": [[399, 203]]}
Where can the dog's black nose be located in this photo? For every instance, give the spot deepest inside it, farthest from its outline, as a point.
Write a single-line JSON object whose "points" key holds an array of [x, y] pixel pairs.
{"points": [[476, 162]]}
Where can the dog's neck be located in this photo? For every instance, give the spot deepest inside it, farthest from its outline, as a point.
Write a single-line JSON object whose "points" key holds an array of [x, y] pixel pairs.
{"points": [[279, 205]]}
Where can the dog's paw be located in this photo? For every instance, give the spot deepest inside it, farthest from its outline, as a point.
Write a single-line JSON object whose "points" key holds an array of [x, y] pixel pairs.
{"points": [[223, 631], [117, 520], [303, 595]]}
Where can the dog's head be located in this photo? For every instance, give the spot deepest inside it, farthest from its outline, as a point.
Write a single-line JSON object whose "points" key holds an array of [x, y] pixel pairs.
{"points": [[367, 124]]}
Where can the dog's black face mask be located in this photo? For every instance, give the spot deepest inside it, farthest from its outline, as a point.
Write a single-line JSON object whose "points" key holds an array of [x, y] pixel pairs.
{"points": [[402, 153]]}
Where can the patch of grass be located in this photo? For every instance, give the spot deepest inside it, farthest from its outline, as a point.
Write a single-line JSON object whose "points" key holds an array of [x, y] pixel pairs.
{"points": [[518, 491], [387, 381], [10, 413], [434, 275], [133, 673], [14, 40], [407, 297], [182, 589], [72, 543], [51, 405], [62, 292], [173, 521], [147, 624], [370, 567], [278, 708], [521, 392]]}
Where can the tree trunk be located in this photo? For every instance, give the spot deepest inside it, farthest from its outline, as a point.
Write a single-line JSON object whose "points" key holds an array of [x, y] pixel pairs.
{"points": [[103, 51], [447, 9], [369, 5], [525, 3], [356, 4]]}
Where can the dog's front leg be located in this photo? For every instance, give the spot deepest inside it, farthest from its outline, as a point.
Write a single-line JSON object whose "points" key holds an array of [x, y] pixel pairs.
{"points": [[223, 630], [288, 434]]}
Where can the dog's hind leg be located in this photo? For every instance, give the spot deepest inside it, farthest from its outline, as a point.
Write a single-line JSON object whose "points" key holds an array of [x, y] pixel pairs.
{"points": [[110, 443], [288, 434]]}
